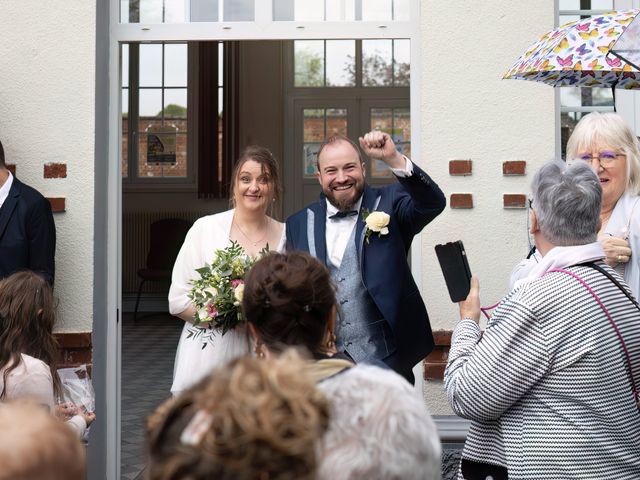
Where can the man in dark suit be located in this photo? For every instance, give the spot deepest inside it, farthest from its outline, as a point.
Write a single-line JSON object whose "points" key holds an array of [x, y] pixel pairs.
{"points": [[381, 317], [27, 230]]}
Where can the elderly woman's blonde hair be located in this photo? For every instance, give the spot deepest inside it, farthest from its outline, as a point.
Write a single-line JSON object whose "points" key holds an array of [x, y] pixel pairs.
{"points": [[609, 129], [253, 419]]}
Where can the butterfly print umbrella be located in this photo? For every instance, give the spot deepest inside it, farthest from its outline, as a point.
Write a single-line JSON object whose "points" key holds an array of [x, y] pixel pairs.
{"points": [[577, 54]]}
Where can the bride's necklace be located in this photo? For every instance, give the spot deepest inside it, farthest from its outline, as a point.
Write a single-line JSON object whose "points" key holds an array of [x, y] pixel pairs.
{"points": [[255, 243]]}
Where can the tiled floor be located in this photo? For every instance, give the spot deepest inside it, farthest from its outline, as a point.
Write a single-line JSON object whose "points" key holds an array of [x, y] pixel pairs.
{"points": [[148, 350]]}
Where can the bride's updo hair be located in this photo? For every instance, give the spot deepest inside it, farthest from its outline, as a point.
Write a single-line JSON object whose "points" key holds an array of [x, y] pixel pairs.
{"points": [[288, 298], [268, 164]]}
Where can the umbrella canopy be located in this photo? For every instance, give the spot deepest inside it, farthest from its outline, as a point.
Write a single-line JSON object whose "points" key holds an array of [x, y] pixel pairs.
{"points": [[627, 47], [577, 54]]}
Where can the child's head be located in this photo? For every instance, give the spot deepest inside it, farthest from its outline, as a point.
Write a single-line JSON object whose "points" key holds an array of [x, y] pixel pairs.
{"points": [[34, 445]]}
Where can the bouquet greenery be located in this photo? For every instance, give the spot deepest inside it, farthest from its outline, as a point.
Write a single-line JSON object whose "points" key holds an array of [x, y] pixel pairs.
{"points": [[217, 294]]}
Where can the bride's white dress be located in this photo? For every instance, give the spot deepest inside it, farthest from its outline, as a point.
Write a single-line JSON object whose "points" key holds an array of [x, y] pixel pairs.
{"points": [[200, 350]]}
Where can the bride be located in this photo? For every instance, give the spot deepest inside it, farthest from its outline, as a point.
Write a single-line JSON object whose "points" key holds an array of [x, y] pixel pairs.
{"points": [[254, 189]]}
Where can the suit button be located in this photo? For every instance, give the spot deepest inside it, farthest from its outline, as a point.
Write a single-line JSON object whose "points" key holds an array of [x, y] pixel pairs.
{"points": [[348, 344], [488, 477]]}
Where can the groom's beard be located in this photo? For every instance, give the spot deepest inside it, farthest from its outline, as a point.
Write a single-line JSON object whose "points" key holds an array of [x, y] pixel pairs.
{"points": [[347, 200]]}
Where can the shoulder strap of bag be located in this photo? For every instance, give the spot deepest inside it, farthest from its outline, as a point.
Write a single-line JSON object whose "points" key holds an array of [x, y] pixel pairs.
{"points": [[597, 267], [634, 389]]}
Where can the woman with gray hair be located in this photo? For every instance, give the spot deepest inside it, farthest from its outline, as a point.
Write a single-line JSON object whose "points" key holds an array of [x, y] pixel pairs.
{"points": [[607, 144], [550, 386]]}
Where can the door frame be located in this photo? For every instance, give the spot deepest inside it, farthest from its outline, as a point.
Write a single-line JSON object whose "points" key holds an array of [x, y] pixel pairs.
{"points": [[104, 450]]}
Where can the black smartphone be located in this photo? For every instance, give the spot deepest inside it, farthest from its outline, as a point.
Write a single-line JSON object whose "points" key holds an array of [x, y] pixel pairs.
{"points": [[455, 268]]}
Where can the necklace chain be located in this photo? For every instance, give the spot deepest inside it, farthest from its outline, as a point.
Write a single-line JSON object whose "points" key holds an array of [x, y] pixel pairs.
{"points": [[256, 242]]}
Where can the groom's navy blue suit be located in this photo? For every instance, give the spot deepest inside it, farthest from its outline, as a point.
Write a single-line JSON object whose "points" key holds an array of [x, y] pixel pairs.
{"points": [[386, 275]]}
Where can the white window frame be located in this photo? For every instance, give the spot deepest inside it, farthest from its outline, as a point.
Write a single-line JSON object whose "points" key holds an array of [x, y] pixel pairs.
{"points": [[262, 28]]}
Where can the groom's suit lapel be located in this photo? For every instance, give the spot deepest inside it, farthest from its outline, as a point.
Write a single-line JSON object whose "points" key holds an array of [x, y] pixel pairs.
{"points": [[320, 229], [370, 201]]}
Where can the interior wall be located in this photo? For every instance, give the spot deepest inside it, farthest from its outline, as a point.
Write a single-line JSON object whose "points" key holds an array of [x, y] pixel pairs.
{"points": [[261, 122]]}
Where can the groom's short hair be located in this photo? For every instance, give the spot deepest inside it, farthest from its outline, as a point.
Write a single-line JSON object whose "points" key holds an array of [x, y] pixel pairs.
{"points": [[335, 139]]}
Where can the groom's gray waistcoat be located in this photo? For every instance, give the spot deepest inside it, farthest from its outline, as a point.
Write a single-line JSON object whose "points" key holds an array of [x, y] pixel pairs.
{"points": [[361, 330]]}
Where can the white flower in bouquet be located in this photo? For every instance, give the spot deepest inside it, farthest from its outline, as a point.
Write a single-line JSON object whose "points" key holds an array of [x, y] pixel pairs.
{"points": [[217, 294]]}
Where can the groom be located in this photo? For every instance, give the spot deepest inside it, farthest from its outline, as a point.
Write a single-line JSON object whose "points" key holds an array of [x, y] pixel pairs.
{"points": [[381, 315]]}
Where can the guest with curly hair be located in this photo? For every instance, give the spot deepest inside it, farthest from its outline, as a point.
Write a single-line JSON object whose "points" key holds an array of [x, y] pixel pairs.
{"points": [[250, 420], [289, 301]]}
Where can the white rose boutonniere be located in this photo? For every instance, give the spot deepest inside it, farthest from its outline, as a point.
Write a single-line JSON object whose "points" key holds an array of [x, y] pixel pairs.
{"points": [[376, 222]]}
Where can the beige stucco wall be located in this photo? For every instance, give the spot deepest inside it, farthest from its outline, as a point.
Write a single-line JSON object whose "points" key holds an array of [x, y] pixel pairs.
{"points": [[468, 112], [47, 86]]}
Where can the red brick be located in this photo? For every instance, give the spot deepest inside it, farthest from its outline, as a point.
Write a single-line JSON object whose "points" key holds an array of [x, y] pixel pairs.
{"points": [[57, 204], [514, 200], [461, 200], [460, 167], [514, 167], [75, 356], [55, 170], [73, 340], [438, 355], [434, 371], [442, 337], [12, 168]]}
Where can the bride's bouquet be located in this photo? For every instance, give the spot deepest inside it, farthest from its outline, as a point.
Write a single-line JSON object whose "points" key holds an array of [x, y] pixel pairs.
{"points": [[217, 294]]}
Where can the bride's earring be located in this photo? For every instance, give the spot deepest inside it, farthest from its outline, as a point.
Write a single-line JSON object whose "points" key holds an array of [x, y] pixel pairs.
{"points": [[331, 342], [258, 350]]}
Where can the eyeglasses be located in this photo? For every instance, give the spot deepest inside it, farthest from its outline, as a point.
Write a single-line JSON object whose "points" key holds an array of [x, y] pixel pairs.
{"points": [[605, 159]]}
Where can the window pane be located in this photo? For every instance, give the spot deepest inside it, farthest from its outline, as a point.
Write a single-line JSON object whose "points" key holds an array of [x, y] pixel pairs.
{"points": [[564, 19], [377, 10], [340, 10], [204, 10], [377, 63], [150, 103], [309, 63], [179, 169], [308, 11], [175, 65], [401, 10], [587, 97], [124, 58], [125, 107], [401, 125], [401, 63], [124, 153], [309, 155], [336, 121], [150, 11], [313, 125], [175, 104], [150, 65], [586, 5], [567, 124], [238, 10], [341, 63], [220, 64], [220, 101], [381, 119], [124, 11], [175, 11]]}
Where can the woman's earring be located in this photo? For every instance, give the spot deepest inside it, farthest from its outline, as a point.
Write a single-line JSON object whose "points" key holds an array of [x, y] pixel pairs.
{"points": [[331, 343], [258, 350]]}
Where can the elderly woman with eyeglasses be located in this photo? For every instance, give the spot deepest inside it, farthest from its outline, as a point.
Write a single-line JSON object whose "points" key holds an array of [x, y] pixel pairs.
{"points": [[607, 144], [551, 386]]}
